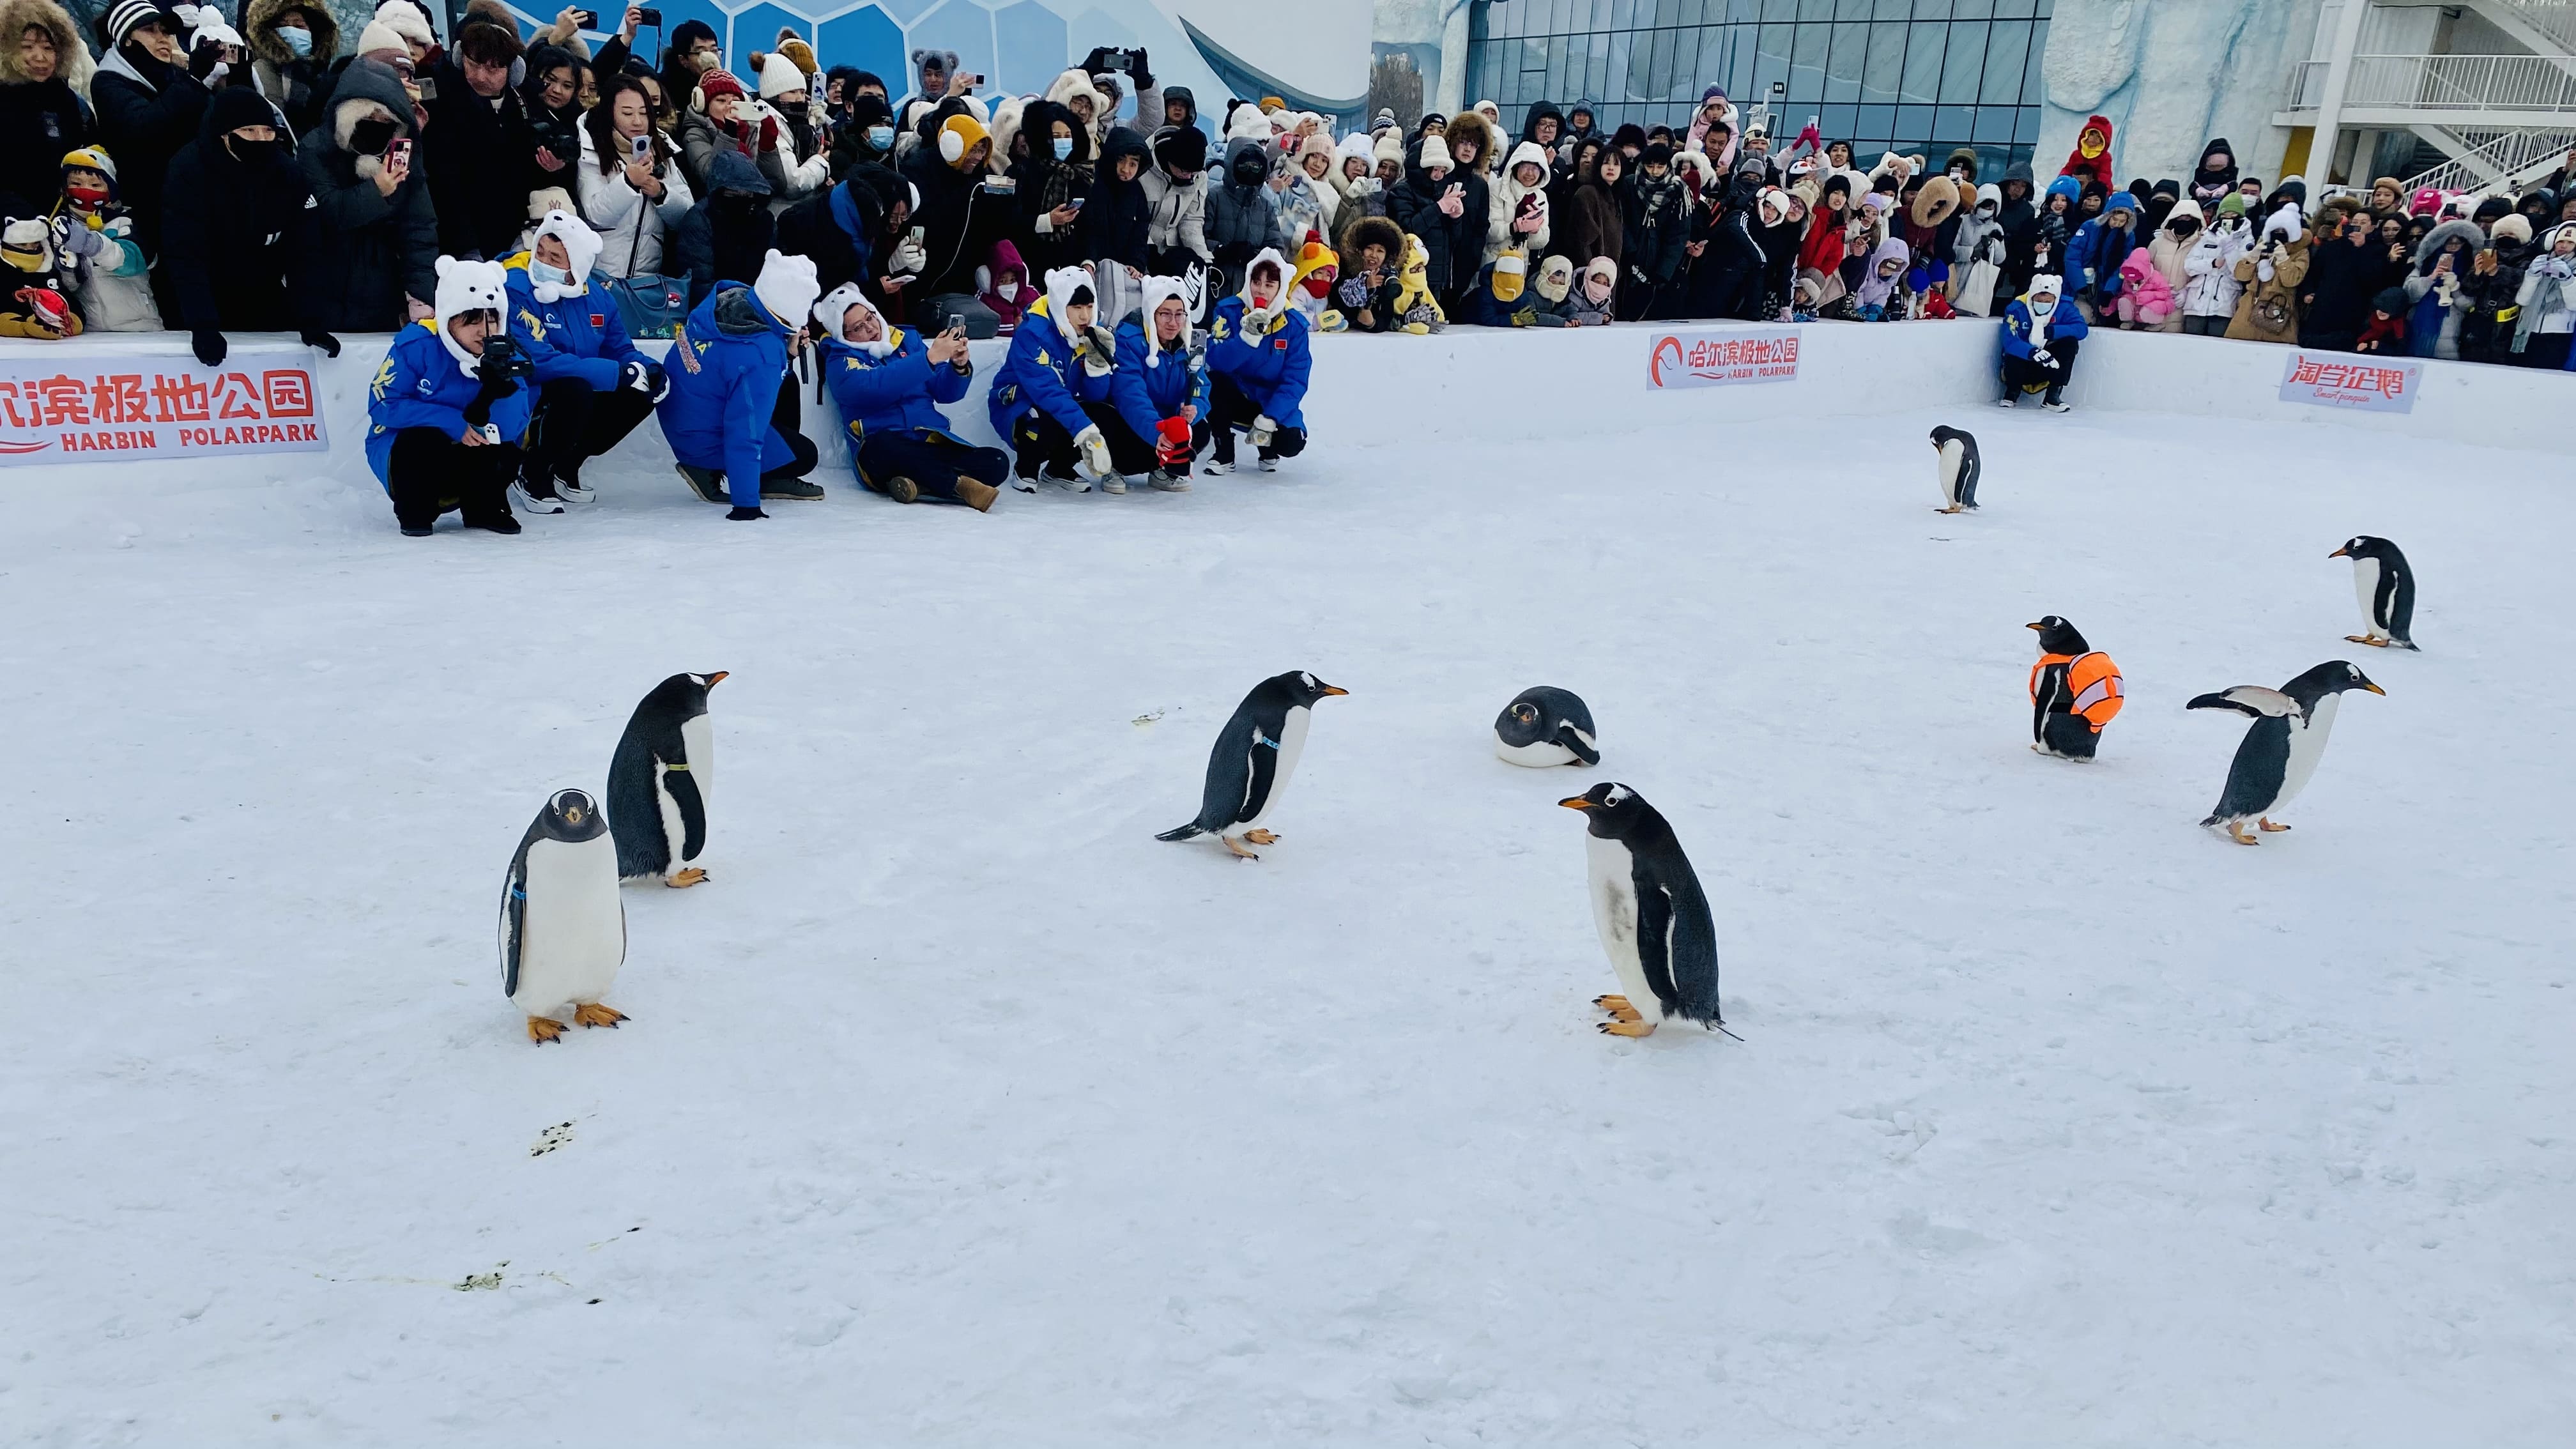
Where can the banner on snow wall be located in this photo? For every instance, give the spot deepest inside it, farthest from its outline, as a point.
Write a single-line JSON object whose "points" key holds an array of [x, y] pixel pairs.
{"points": [[2335, 380], [1720, 358], [103, 408]]}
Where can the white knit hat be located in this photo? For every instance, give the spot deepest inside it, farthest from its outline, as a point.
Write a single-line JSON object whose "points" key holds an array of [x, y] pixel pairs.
{"points": [[779, 75], [467, 287], [787, 287]]}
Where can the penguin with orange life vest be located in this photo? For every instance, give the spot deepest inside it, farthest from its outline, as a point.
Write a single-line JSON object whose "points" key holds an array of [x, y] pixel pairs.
{"points": [[2075, 689]]}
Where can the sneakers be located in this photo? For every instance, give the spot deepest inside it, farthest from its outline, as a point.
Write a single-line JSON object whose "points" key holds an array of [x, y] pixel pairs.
{"points": [[977, 494], [796, 488], [707, 483], [2058, 405], [1069, 482], [1113, 483], [901, 489], [1025, 485], [2005, 403], [571, 489], [1266, 462], [525, 497], [1218, 469], [1163, 482]]}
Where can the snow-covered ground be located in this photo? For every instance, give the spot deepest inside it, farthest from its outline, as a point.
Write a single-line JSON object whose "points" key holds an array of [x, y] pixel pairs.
{"points": [[958, 1110]]}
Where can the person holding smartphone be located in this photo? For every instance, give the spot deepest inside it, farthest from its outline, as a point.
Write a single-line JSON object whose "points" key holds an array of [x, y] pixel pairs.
{"points": [[373, 239], [889, 383], [631, 188]]}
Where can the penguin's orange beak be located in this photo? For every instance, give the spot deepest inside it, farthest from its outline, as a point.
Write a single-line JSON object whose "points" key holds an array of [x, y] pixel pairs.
{"points": [[2034, 626], [1333, 689], [2375, 689], [1577, 803], [2338, 553], [718, 677]]}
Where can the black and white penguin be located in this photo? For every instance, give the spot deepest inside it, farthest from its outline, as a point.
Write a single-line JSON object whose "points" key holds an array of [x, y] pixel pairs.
{"points": [[1545, 726], [2074, 692], [660, 780], [1957, 450], [1653, 917], [2281, 751], [563, 928], [2386, 587], [1255, 754]]}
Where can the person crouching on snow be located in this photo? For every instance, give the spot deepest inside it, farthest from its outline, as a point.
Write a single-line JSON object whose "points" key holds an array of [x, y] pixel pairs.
{"points": [[1060, 361], [448, 405], [725, 369], [1258, 357], [2041, 332], [1157, 417], [889, 383], [593, 385]]}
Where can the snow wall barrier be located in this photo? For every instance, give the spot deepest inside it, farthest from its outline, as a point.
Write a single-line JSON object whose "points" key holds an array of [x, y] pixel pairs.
{"points": [[1489, 384]]}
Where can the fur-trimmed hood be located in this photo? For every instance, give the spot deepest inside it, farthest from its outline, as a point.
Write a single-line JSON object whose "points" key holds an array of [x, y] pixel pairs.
{"points": [[259, 30], [368, 90], [2468, 233], [1073, 85], [1366, 229], [72, 63], [1488, 140], [1937, 202]]}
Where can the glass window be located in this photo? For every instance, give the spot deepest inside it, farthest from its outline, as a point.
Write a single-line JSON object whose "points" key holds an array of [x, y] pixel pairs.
{"points": [[2026, 126], [1851, 9], [1779, 9], [1959, 123], [1967, 60], [2013, 9], [1850, 47], [1657, 75], [1837, 120], [1596, 66], [1995, 124], [1922, 80], [1686, 62], [2007, 48], [1623, 14], [2034, 89], [1892, 10], [1621, 85], [1971, 9], [1931, 9], [1807, 65], [1771, 63], [1874, 121], [1815, 9], [1886, 67], [1914, 120]]}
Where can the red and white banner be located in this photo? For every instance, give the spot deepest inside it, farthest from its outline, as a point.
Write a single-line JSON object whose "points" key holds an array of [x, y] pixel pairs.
{"points": [[100, 407], [2342, 380], [1715, 358]]}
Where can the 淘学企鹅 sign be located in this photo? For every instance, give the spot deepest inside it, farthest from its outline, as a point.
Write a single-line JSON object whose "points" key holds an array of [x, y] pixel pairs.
{"points": [[2342, 380], [101, 407], [1720, 358]]}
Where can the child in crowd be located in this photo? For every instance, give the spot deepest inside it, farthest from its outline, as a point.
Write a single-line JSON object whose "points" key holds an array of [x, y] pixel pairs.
{"points": [[1365, 293], [2145, 301], [2386, 331], [1009, 293], [1590, 302], [1311, 291], [33, 300], [95, 239], [1882, 296]]}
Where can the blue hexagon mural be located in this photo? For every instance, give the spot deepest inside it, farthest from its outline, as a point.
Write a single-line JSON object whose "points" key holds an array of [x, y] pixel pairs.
{"points": [[1032, 50], [867, 38], [757, 29]]}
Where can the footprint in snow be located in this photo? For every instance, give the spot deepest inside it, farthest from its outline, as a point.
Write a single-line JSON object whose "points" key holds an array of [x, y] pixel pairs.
{"points": [[559, 1135]]}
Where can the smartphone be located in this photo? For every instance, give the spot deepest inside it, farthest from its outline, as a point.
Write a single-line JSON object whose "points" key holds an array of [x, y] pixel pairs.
{"points": [[919, 234], [398, 154], [586, 19], [648, 16], [1076, 203], [970, 81], [427, 86], [642, 147], [1119, 61]]}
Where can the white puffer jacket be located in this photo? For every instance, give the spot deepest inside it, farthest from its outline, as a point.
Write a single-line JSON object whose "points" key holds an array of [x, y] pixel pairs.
{"points": [[2209, 287], [1507, 192]]}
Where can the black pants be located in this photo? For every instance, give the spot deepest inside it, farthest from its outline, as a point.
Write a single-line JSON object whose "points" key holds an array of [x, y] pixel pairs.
{"points": [[1038, 439], [430, 473], [1129, 453], [933, 462], [1231, 410], [574, 424], [2545, 350], [2022, 373]]}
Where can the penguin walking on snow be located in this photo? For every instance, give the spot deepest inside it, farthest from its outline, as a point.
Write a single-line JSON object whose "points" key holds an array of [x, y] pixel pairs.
{"points": [[1255, 754], [659, 781], [563, 927], [2386, 587], [1957, 450], [2281, 751], [1546, 726], [1652, 915], [2075, 690]]}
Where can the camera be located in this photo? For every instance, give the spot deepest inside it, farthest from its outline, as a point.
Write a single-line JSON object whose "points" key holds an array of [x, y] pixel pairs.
{"points": [[1121, 61], [648, 16], [504, 360], [586, 19], [560, 137]]}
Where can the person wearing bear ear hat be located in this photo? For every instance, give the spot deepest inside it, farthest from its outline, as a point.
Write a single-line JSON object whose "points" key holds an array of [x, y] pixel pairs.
{"points": [[725, 368], [592, 384], [890, 382], [448, 405]]}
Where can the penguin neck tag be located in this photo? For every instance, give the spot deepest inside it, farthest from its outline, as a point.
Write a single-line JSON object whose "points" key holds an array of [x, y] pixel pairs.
{"points": [[1259, 738], [666, 769]]}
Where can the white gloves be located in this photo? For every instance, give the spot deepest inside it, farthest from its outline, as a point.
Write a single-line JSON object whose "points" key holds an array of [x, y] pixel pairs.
{"points": [[72, 237], [1258, 319], [908, 256], [2041, 356], [1095, 451], [1263, 430]]}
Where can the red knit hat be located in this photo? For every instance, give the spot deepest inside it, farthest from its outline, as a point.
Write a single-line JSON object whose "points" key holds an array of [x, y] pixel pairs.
{"points": [[718, 83]]}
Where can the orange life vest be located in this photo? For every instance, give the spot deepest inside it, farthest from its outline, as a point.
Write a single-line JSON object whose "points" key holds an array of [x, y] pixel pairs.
{"points": [[2094, 681]]}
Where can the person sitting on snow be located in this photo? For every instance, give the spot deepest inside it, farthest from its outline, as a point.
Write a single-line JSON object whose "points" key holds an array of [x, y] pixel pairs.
{"points": [[593, 385], [1060, 361], [1258, 360], [725, 368], [889, 383], [1157, 420], [2042, 330], [448, 405]]}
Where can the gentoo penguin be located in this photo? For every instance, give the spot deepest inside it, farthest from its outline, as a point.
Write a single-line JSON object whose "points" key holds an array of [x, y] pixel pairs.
{"points": [[2280, 752], [1652, 915], [2075, 689], [1546, 726], [1957, 451], [1255, 754], [563, 928], [660, 779], [2386, 587]]}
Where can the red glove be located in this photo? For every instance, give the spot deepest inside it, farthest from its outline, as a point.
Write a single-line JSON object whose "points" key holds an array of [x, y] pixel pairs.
{"points": [[1175, 445], [769, 133]]}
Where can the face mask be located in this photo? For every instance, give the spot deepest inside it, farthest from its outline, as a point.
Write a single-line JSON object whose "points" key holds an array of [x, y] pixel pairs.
{"points": [[86, 196], [252, 153], [298, 41], [369, 138], [542, 275], [1063, 147], [881, 137]]}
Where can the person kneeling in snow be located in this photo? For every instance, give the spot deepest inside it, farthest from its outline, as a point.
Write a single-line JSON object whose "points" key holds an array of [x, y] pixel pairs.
{"points": [[448, 405], [889, 384], [1059, 363], [725, 367], [593, 386], [2041, 332], [1258, 359], [1158, 420]]}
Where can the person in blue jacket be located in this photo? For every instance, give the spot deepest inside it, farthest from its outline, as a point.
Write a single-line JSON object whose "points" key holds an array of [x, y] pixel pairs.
{"points": [[2042, 331], [2093, 258], [593, 386], [447, 406], [1157, 420], [1258, 360], [889, 384], [724, 369], [1060, 361]]}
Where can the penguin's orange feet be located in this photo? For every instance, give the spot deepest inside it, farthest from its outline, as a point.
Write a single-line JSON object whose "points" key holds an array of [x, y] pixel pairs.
{"points": [[2236, 832], [1623, 1013], [1627, 1028], [1261, 837], [593, 1013], [2372, 640], [681, 880], [1237, 847], [1954, 508], [543, 1029], [1611, 1002], [2265, 823]]}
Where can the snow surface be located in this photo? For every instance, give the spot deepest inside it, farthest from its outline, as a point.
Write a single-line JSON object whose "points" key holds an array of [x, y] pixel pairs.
{"points": [[958, 1110]]}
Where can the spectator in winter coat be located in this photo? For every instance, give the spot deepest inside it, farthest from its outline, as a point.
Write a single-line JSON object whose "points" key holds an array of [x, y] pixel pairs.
{"points": [[1880, 297], [1821, 252], [726, 237], [2385, 334], [150, 93], [1779, 221], [291, 43], [2094, 256], [1052, 185], [2545, 304], [237, 229], [1059, 365], [592, 386], [2091, 158], [962, 211], [2042, 334], [1517, 216], [2436, 289], [2215, 176], [1370, 248], [1176, 230], [2146, 301], [1592, 222], [1431, 206], [443, 432], [1725, 278], [721, 116], [1655, 232], [1158, 417], [724, 373], [693, 51], [2272, 274], [1242, 217], [374, 239], [784, 111], [1589, 300], [1258, 361], [842, 229], [2494, 280], [635, 201], [2210, 289], [44, 71], [2346, 269], [1115, 225], [102, 265], [477, 150], [2055, 225], [890, 383]]}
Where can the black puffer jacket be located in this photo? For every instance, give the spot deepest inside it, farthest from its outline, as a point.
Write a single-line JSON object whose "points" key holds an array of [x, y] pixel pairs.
{"points": [[481, 160], [961, 215], [1115, 221], [39, 119], [1415, 206], [237, 229], [369, 251]]}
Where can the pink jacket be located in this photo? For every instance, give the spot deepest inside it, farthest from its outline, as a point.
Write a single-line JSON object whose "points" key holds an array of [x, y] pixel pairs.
{"points": [[2147, 286]]}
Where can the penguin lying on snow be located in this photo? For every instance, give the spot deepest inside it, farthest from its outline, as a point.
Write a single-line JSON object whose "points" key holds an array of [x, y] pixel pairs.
{"points": [[660, 779], [1546, 726], [563, 928], [1960, 468], [2281, 751], [2386, 587], [1255, 754], [2075, 690], [1652, 915]]}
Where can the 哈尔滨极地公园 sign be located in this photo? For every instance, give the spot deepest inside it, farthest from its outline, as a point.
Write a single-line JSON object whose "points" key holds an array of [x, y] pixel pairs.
{"points": [[1720, 357], [85, 407]]}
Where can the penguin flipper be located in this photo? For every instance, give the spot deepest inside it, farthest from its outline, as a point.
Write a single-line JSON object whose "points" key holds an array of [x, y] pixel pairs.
{"points": [[2251, 700], [1190, 831], [682, 787], [514, 921], [1655, 943]]}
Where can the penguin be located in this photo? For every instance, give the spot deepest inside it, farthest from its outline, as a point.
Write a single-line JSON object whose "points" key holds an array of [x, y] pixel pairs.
{"points": [[659, 781], [1652, 915], [2386, 587], [1957, 450], [2280, 752], [1545, 726], [1255, 754], [2074, 691], [563, 928]]}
